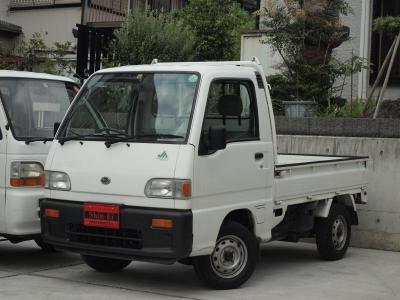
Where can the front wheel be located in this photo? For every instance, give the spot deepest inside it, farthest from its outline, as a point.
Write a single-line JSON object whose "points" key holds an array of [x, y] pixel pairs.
{"points": [[233, 260], [104, 264], [45, 246], [333, 233]]}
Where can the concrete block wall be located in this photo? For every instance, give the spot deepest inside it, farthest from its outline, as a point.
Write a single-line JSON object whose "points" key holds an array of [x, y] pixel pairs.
{"points": [[351, 127], [380, 219]]}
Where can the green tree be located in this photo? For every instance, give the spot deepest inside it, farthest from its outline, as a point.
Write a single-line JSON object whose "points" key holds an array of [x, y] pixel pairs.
{"points": [[217, 26], [33, 52], [34, 55], [148, 35], [58, 54], [305, 33]]}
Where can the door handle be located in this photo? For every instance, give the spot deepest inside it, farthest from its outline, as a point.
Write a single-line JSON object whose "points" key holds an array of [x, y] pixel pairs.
{"points": [[258, 156]]}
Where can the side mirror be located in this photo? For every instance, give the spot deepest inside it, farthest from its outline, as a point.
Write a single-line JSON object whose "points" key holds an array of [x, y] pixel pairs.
{"points": [[216, 138], [55, 128]]}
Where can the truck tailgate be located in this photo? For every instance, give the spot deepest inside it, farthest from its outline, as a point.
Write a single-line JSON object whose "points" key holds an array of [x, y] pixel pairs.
{"points": [[317, 177]]}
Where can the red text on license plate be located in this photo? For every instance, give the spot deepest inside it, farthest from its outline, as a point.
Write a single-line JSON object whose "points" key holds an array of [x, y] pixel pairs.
{"points": [[101, 215]]}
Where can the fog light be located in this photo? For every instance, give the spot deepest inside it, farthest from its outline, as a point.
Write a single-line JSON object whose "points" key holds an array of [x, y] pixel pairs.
{"points": [[162, 223], [51, 213]]}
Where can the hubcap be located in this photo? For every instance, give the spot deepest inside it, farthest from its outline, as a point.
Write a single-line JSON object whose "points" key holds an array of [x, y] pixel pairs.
{"points": [[229, 257], [339, 233]]}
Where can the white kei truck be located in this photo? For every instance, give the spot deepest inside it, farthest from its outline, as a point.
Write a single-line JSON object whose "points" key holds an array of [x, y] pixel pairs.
{"points": [[178, 162], [31, 103]]}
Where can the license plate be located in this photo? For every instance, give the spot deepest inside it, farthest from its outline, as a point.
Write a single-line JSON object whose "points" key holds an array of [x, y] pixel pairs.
{"points": [[101, 215]]}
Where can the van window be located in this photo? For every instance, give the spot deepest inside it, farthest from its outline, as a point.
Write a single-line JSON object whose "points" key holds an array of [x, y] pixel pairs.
{"points": [[34, 105]]}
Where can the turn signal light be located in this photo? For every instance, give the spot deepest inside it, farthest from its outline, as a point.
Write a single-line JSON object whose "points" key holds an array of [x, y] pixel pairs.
{"points": [[186, 189], [39, 181], [162, 223], [52, 213]]}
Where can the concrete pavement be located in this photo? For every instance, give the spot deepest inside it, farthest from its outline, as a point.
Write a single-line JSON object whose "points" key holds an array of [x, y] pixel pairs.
{"points": [[285, 271]]}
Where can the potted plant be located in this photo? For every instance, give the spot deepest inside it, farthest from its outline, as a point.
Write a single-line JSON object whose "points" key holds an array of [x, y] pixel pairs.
{"points": [[305, 33]]}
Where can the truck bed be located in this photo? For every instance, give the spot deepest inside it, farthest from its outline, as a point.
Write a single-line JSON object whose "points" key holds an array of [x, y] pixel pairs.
{"points": [[313, 177]]}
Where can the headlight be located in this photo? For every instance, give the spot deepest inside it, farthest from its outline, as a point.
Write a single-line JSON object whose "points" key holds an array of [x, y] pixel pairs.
{"points": [[25, 174], [57, 181], [168, 188]]}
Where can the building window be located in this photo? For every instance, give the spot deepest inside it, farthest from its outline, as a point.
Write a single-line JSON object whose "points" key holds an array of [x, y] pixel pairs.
{"points": [[164, 5], [381, 42]]}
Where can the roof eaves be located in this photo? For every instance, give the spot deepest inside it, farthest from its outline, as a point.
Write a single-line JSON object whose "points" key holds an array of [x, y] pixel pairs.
{"points": [[11, 28]]}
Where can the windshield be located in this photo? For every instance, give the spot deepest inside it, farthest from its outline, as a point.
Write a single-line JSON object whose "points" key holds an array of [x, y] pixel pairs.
{"points": [[153, 106], [34, 105]]}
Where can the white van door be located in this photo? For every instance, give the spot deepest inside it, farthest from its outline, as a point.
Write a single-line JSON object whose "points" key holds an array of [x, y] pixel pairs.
{"points": [[240, 176]]}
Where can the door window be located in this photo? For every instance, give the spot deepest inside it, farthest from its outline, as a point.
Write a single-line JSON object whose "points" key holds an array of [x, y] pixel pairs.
{"points": [[232, 103]]}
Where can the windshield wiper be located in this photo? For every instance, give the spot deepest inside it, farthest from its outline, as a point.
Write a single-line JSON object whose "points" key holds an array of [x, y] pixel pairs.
{"points": [[77, 137], [38, 139], [139, 137], [110, 130]]}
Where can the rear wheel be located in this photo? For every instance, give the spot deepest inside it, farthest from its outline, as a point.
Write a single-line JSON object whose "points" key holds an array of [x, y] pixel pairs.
{"points": [[233, 260], [104, 264], [333, 233]]}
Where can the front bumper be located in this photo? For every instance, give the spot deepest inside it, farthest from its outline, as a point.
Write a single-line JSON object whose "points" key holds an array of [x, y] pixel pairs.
{"points": [[21, 212], [134, 240]]}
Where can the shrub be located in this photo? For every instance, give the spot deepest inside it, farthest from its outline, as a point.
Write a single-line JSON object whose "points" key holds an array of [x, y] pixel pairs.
{"points": [[148, 35], [217, 26]]}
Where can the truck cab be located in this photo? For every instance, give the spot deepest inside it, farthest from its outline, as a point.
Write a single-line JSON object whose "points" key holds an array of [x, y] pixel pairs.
{"points": [[30, 105], [178, 162]]}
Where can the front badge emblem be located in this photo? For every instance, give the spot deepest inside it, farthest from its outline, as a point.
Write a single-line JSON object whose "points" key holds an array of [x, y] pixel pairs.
{"points": [[105, 180], [163, 156]]}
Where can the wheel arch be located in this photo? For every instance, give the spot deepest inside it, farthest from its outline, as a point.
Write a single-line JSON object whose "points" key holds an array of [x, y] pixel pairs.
{"points": [[242, 216], [323, 207], [349, 202]]}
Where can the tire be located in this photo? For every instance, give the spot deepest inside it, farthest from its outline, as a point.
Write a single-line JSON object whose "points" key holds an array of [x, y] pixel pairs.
{"points": [[45, 246], [233, 259], [105, 264], [333, 233]]}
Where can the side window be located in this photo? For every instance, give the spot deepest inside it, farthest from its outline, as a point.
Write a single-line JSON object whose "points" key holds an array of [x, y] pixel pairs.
{"points": [[232, 103]]}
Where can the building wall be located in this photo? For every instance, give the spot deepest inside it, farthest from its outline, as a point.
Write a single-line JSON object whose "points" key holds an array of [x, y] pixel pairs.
{"points": [[351, 47], [3, 9], [57, 22], [380, 219]]}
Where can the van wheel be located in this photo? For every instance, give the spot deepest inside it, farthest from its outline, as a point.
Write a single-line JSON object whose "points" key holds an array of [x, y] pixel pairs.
{"points": [[233, 260], [333, 233], [45, 246], [105, 264]]}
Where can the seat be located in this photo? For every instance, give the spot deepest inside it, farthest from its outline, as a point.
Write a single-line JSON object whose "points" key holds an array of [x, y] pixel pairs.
{"points": [[230, 105]]}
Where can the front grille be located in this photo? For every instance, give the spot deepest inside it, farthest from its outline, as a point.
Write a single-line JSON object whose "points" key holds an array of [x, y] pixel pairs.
{"points": [[121, 238]]}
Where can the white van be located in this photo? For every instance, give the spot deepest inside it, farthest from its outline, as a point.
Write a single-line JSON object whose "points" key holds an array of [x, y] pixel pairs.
{"points": [[31, 103], [178, 162]]}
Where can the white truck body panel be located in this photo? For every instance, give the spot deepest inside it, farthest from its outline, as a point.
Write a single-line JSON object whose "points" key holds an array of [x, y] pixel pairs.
{"points": [[314, 177]]}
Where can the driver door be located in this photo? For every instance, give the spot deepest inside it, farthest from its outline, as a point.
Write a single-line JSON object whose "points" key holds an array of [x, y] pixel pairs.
{"points": [[239, 176]]}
